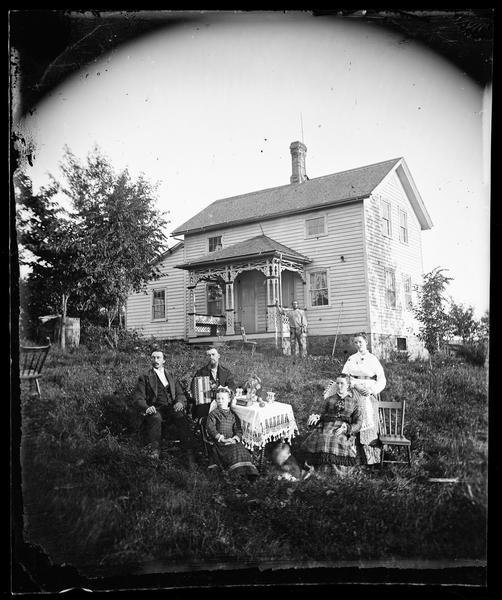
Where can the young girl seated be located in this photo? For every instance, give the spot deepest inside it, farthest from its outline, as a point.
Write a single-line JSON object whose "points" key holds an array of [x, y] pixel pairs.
{"points": [[224, 430], [332, 444], [285, 465]]}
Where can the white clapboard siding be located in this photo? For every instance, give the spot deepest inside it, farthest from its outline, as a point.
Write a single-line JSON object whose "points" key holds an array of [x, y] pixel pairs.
{"points": [[391, 252], [139, 305], [346, 279]]}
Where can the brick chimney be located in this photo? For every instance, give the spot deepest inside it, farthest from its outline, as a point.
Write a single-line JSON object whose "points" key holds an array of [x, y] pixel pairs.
{"points": [[298, 152]]}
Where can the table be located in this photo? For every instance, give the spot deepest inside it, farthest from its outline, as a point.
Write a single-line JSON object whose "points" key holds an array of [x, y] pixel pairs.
{"points": [[261, 425]]}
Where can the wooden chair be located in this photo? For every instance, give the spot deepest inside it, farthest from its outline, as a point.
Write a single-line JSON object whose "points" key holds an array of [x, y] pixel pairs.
{"points": [[391, 422], [246, 341], [32, 359], [206, 441]]}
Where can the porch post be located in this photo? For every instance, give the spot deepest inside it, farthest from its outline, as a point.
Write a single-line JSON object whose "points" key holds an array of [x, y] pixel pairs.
{"points": [[272, 296], [191, 312], [229, 307]]}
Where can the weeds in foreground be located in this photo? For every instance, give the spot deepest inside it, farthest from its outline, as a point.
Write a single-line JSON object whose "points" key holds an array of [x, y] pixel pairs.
{"points": [[94, 500]]}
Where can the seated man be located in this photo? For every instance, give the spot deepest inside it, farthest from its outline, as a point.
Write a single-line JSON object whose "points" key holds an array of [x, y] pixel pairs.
{"points": [[218, 376], [161, 398]]}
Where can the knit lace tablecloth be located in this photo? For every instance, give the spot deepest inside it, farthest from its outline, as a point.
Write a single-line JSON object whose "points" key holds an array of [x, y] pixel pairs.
{"points": [[261, 425]]}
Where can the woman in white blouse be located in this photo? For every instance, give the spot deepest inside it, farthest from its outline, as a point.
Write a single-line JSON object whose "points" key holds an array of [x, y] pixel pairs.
{"points": [[367, 380]]}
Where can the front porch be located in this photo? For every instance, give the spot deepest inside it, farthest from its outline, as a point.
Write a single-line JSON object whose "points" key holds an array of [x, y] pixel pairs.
{"points": [[241, 286]]}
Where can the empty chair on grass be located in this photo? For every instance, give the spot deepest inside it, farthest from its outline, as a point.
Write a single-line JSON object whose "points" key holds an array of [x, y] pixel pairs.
{"points": [[391, 416], [32, 359], [246, 342]]}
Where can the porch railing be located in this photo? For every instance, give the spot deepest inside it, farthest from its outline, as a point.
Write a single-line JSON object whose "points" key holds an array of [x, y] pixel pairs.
{"points": [[209, 324]]}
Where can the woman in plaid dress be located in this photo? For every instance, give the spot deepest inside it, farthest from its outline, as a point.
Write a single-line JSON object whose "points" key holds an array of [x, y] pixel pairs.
{"points": [[224, 430], [332, 444]]}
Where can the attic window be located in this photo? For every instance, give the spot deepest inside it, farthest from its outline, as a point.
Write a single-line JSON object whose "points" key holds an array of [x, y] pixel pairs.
{"points": [[315, 227], [215, 243]]}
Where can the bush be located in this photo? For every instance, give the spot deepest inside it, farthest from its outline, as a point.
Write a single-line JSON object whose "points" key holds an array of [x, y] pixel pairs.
{"points": [[97, 337], [474, 353]]}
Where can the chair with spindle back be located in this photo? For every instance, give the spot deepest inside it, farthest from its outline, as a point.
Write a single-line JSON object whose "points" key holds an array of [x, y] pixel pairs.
{"points": [[246, 341], [391, 422], [32, 359]]}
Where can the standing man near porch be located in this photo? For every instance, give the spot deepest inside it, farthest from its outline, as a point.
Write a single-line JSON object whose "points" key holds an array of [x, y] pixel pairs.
{"points": [[297, 327], [218, 376]]}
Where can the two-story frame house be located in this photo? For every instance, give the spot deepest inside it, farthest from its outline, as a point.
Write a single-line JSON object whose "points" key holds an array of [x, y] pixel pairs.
{"points": [[347, 246]]}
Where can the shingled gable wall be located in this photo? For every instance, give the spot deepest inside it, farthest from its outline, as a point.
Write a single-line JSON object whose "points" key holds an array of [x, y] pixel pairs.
{"points": [[386, 324]]}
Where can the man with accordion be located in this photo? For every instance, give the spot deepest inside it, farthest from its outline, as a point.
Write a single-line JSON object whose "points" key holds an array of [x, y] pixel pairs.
{"points": [[206, 381]]}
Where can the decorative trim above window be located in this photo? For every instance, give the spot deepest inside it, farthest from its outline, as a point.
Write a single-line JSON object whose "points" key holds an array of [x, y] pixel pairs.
{"points": [[403, 226], [159, 304], [390, 287], [215, 243], [386, 218], [318, 288], [316, 226]]}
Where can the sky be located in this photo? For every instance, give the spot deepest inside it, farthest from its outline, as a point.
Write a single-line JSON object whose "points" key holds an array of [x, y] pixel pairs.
{"points": [[209, 110]]}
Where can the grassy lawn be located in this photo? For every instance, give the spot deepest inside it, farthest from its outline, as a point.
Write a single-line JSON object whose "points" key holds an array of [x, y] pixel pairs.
{"points": [[93, 500]]}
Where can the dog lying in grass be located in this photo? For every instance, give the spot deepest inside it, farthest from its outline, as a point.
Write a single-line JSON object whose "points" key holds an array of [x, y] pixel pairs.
{"points": [[285, 465]]}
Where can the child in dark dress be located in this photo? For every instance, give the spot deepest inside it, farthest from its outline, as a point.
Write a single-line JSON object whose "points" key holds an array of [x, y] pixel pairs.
{"points": [[224, 430]]}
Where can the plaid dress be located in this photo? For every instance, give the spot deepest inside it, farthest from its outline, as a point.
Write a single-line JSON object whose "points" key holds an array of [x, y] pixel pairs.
{"points": [[233, 457], [324, 445]]}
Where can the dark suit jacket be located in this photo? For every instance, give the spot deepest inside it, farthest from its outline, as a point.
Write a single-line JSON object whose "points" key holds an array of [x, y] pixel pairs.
{"points": [[225, 378], [146, 391]]}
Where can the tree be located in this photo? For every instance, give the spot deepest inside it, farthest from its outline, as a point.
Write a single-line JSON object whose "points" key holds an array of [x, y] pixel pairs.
{"points": [[121, 228], [431, 309], [463, 322], [51, 247], [484, 326]]}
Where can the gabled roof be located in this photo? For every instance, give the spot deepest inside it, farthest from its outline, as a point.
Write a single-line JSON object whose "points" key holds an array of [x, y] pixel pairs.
{"points": [[171, 250], [261, 245], [323, 191]]}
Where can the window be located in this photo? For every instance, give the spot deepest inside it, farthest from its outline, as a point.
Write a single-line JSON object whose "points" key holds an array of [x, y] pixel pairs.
{"points": [[386, 220], [215, 243], [401, 344], [315, 227], [319, 288], [403, 226], [159, 304], [408, 300], [214, 299], [390, 288]]}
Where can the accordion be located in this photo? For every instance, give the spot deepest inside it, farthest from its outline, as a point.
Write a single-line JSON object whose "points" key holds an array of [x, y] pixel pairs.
{"points": [[202, 390]]}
